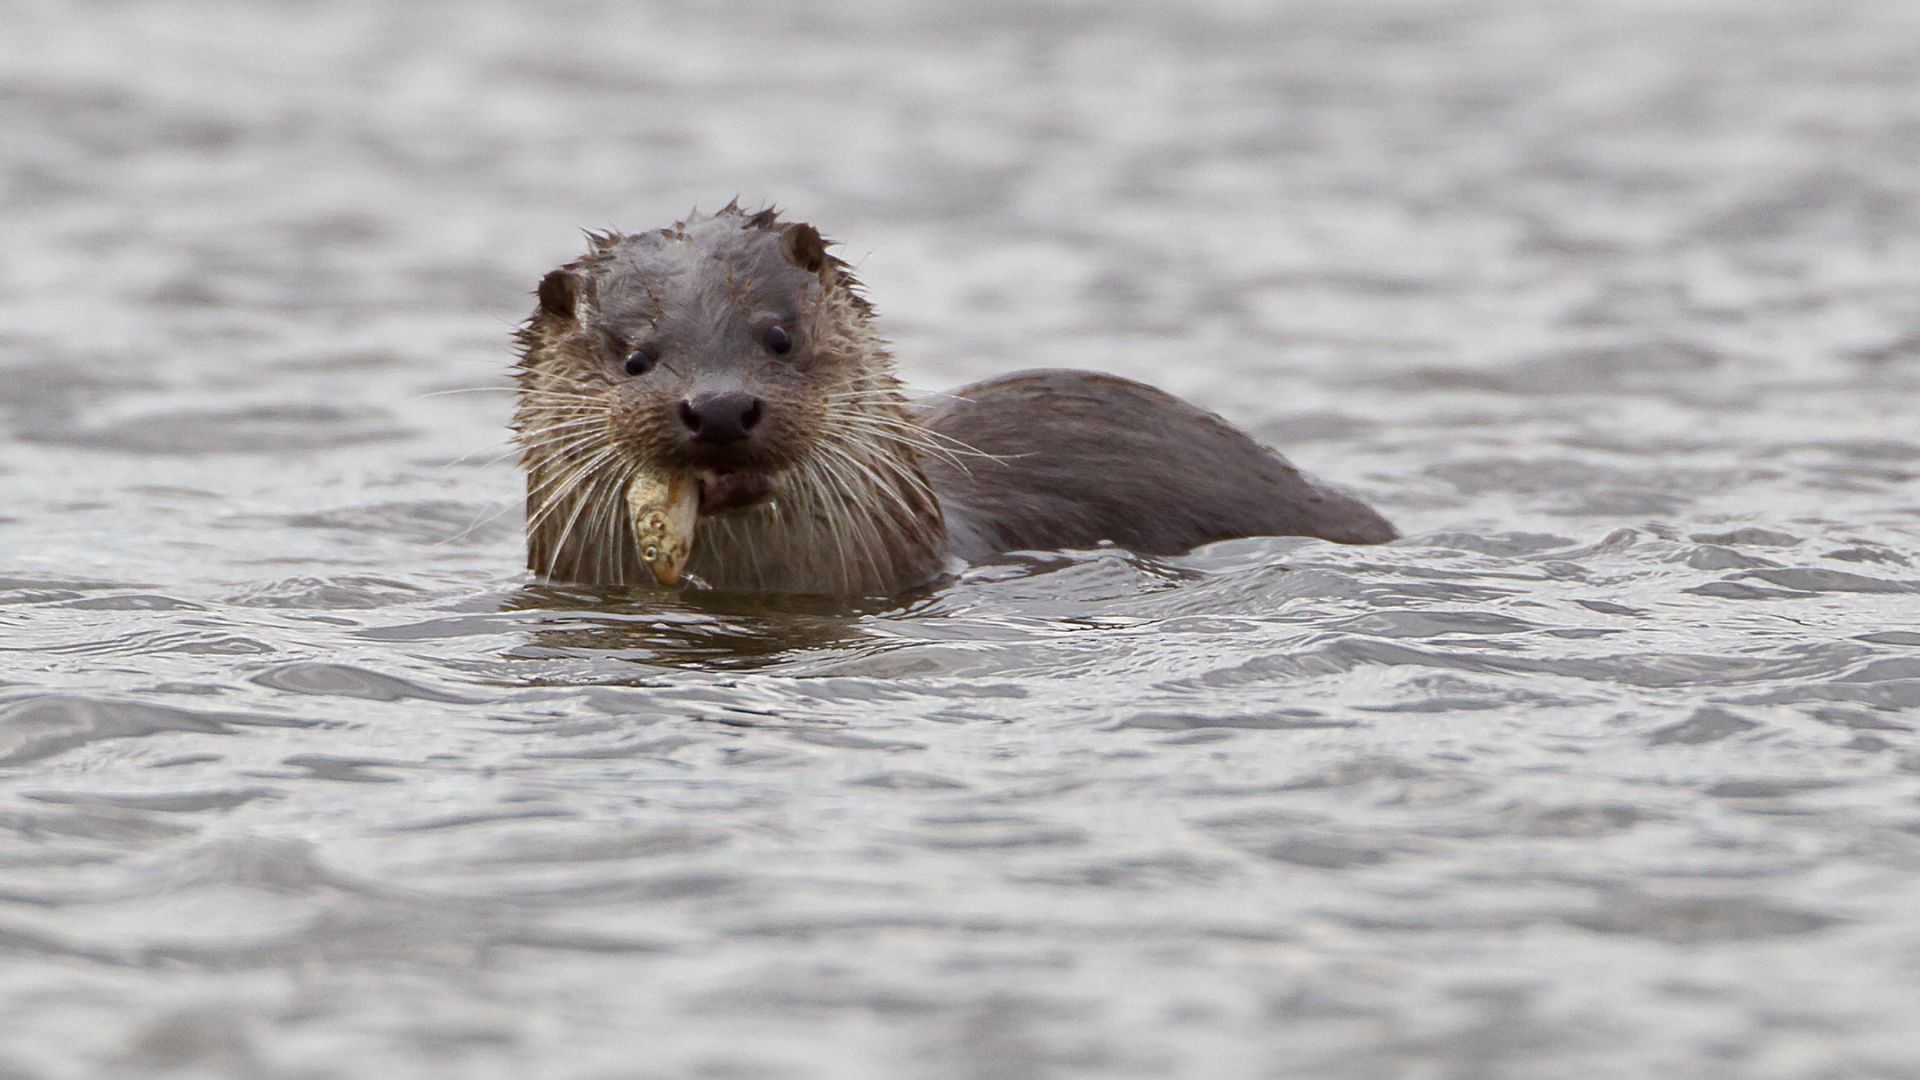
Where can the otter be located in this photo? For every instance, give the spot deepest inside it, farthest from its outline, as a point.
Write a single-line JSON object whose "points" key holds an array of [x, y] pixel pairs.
{"points": [[736, 351]]}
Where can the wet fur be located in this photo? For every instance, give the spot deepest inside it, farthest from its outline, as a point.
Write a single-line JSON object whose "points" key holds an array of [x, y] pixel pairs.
{"points": [[874, 493], [1145, 470]]}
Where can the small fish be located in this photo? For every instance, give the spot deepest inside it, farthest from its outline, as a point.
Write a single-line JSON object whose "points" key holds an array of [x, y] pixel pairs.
{"points": [[664, 508]]}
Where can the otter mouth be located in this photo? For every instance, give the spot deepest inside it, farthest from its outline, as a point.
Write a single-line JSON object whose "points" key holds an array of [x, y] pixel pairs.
{"points": [[665, 506], [727, 492]]}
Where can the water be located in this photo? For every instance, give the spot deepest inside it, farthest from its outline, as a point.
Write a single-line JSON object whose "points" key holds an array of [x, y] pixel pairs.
{"points": [[1608, 770]]}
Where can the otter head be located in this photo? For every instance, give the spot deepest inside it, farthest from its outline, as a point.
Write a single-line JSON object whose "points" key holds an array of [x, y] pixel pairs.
{"points": [[732, 348], [717, 345]]}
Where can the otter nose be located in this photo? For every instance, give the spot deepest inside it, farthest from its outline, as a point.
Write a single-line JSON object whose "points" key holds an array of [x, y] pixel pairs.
{"points": [[719, 419]]}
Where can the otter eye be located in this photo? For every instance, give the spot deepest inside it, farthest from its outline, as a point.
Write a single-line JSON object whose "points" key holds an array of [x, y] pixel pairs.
{"points": [[777, 341], [639, 362]]}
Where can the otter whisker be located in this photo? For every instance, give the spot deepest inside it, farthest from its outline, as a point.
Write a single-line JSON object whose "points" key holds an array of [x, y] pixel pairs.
{"points": [[571, 431], [556, 493], [462, 390], [557, 497], [837, 488], [913, 429], [484, 518], [557, 451], [578, 390], [595, 427], [519, 443], [506, 450], [904, 436], [614, 526], [538, 417], [867, 533], [806, 488], [880, 486], [930, 440], [561, 404], [894, 393], [539, 405], [597, 481]]}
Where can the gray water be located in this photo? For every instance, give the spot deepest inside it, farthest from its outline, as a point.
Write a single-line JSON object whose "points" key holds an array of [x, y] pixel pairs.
{"points": [[1608, 770]]}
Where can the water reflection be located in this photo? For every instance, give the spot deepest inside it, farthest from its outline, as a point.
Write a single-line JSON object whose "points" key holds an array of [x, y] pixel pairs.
{"points": [[691, 628]]}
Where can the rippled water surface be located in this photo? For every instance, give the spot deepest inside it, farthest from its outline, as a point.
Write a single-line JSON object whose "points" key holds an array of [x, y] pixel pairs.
{"points": [[1608, 769]]}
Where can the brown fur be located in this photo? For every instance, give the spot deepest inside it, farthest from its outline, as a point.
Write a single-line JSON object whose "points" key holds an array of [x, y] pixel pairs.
{"points": [[871, 494]]}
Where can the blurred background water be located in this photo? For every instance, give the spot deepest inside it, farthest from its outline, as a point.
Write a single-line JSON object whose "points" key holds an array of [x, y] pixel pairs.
{"points": [[1608, 770]]}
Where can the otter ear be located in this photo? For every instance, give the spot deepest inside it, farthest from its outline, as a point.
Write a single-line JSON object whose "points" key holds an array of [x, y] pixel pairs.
{"points": [[560, 294], [803, 247]]}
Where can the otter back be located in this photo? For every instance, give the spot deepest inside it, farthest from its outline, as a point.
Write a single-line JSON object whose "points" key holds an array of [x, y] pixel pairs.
{"points": [[1074, 458]]}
